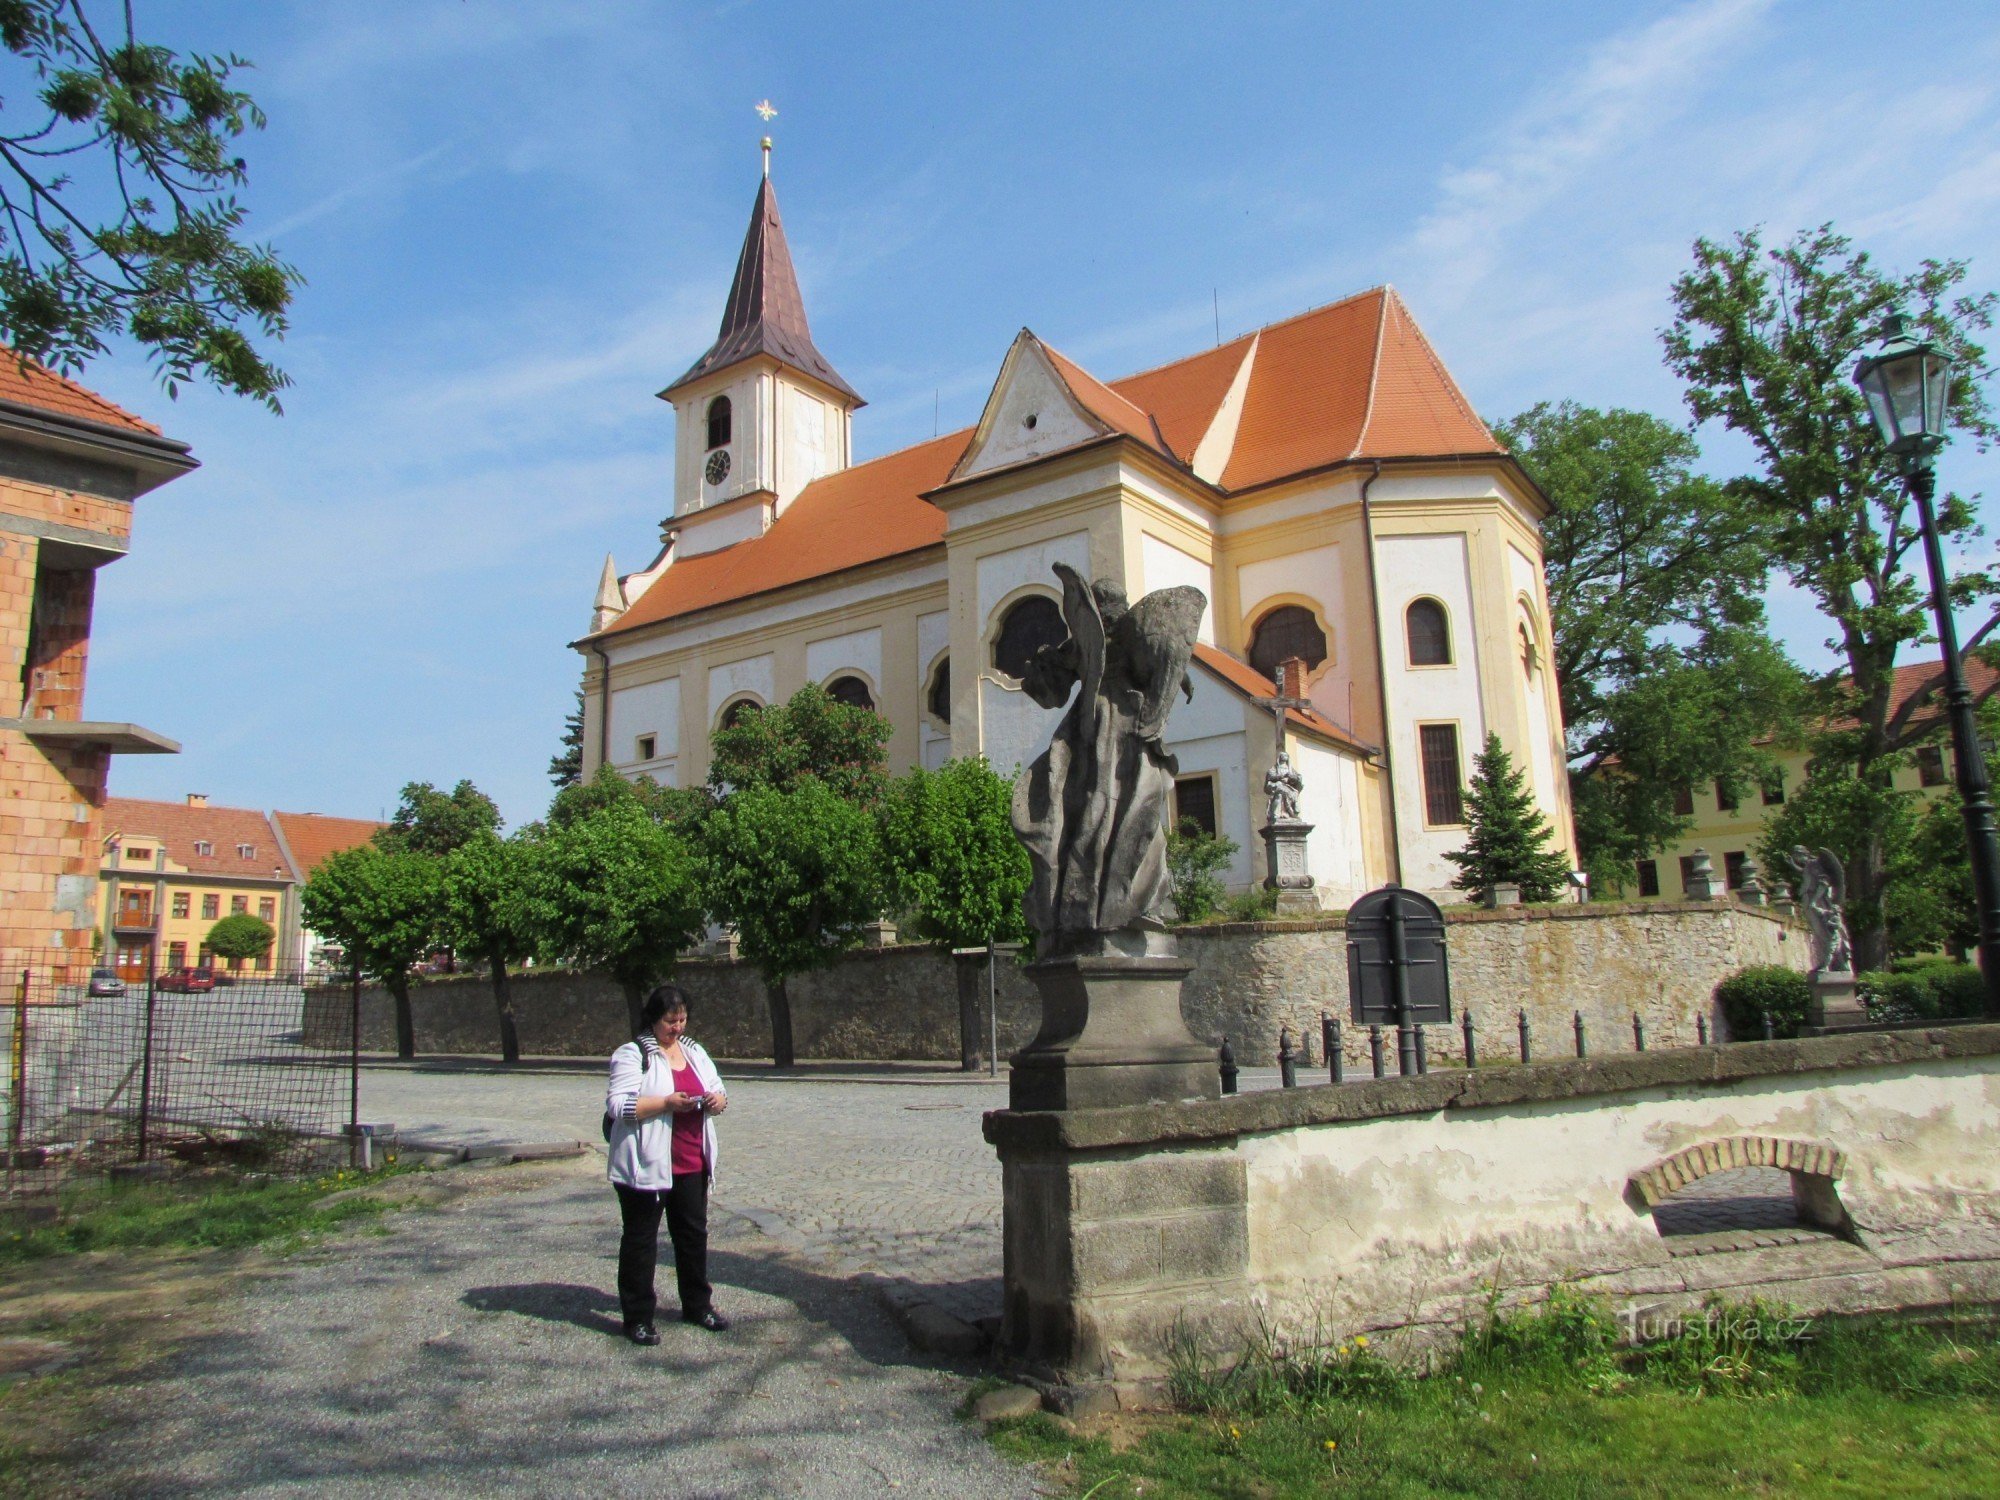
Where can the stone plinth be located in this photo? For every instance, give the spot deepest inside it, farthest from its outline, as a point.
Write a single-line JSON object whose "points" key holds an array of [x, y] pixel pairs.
{"points": [[1285, 860], [1835, 1002], [1111, 1034]]}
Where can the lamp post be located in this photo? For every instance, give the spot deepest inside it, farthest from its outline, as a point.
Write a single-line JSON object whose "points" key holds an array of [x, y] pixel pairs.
{"points": [[1907, 382]]}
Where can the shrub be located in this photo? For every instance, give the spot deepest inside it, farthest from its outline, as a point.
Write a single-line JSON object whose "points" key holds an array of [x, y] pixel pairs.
{"points": [[1259, 905], [1938, 989], [1748, 995], [1194, 864]]}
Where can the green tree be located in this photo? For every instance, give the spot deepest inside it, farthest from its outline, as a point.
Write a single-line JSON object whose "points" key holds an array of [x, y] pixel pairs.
{"points": [[1667, 674], [382, 906], [486, 916], [680, 806], [1195, 862], [239, 936], [613, 889], [1507, 840], [428, 821], [1765, 341], [810, 734], [799, 873], [118, 168], [954, 864], [566, 767]]}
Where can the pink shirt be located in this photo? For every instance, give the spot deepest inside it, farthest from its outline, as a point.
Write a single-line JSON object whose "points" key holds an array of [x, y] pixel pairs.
{"points": [[688, 1154]]}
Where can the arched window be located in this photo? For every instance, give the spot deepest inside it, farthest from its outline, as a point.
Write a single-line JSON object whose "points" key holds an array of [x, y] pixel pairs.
{"points": [[718, 422], [852, 691], [1284, 633], [1030, 624], [1430, 634], [733, 714], [939, 700]]}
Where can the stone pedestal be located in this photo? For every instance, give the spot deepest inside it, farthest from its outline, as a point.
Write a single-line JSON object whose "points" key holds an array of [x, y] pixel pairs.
{"points": [[1112, 1034], [1285, 859], [1835, 1002]]}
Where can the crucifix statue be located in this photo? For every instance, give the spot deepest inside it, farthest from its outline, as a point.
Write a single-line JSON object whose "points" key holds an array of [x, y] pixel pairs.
{"points": [[1285, 831]]}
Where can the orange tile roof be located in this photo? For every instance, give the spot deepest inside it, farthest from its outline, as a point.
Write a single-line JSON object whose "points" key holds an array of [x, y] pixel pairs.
{"points": [[313, 836], [32, 385], [179, 827], [1352, 381], [1252, 683]]}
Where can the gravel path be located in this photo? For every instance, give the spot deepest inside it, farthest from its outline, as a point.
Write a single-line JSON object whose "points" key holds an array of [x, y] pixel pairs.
{"points": [[474, 1350]]}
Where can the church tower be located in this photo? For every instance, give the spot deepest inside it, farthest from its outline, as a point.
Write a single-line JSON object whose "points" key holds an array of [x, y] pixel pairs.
{"points": [[763, 413]]}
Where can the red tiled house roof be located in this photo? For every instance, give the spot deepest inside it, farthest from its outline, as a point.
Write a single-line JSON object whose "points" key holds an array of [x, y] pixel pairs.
{"points": [[29, 384], [313, 837], [1346, 383], [223, 829]]}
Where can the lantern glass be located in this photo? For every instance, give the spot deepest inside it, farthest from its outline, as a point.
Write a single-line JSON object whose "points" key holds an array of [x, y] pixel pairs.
{"points": [[1907, 385]]}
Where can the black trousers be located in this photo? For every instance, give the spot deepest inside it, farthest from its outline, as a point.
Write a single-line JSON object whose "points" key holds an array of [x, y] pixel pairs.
{"points": [[685, 1205]]}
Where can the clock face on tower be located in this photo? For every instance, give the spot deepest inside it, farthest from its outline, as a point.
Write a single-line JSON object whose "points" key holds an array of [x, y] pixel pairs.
{"points": [[718, 466]]}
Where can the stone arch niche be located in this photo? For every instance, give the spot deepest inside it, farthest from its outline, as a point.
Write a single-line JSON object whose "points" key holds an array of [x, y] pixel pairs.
{"points": [[1814, 1169]]}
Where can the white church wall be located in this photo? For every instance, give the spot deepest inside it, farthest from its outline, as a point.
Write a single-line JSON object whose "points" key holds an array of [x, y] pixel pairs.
{"points": [[857, 651], [1002, 574], [1411, 568], [711, 532], [1014, 728], [1542, 729], [1165, 566], [1206, 734], [1033, 417], [757, 675], [649, 708], [1331, 802]]}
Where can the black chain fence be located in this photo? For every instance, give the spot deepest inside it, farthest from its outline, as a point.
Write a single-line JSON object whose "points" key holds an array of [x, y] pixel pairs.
{"points": [[163, 1072]]}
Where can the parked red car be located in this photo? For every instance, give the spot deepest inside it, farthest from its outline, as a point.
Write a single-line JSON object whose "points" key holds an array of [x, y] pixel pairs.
{"points": [[188, 981]]}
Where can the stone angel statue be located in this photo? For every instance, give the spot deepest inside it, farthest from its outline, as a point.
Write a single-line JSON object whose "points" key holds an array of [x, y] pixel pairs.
{"points": [[1092, 810], [1822, 894]]}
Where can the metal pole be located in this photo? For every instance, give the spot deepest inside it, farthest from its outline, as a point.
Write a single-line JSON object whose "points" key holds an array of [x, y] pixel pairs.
{"points": [[1579, 1034], [1638, 1033], [1375, 1050], [1982, 842], [1423, 1059], [1226, 1064], [354, 1064], [1522, 1026], [19, 1076], [1399, 992], [146, 1057], [1471, 1052], [1701, 1029], [1288, 1074], [992, 1016], [1330, 1034]]}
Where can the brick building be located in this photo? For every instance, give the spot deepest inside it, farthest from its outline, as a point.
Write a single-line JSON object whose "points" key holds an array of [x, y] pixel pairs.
{"points": [[71, 466]]}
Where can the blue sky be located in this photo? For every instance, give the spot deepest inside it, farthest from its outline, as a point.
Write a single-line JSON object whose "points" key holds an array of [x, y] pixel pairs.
{"points": [[518, 221]]}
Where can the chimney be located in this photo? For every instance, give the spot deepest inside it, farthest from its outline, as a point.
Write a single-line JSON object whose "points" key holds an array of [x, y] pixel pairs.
{"points": [[197, 799], [1292, 677]]}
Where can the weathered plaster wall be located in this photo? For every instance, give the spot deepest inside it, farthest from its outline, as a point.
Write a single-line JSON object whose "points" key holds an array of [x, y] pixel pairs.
{"points": [[1249, 980]]}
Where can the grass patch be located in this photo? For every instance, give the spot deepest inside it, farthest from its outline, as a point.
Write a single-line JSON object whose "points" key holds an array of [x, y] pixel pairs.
{"points": [[210, 1212], [1749, 1401]]}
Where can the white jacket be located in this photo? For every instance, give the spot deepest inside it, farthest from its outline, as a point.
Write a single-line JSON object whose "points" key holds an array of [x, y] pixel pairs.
{"points": [[641, 1151]]}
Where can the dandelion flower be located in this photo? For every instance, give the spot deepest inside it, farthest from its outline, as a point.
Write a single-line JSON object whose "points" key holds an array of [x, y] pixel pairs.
{"points": [[1331, 1444], [1361, 1341], [1236, 1432]]}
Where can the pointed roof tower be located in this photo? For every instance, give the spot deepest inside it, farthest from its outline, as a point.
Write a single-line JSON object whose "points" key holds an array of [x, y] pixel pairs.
{"points": [[765, 313]]}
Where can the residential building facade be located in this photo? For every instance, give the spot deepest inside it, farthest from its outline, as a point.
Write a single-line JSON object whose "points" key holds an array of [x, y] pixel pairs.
{"points": [[1322, 481]]}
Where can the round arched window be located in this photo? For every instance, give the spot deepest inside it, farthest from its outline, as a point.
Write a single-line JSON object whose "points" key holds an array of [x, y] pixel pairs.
{"points": [[1430, 634], [1286, 632], [718, 422], [733, 715], [852, 691], [1029, 625], [939, 700]]}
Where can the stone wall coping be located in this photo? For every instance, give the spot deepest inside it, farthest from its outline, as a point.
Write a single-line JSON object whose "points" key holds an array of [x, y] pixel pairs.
{"points": [[1555, 911], [1221, 1120]]}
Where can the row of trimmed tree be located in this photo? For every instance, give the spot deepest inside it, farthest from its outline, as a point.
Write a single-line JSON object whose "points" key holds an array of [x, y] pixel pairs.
{"points": [[799, 840]]}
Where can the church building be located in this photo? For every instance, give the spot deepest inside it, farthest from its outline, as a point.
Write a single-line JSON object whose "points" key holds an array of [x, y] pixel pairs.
{"points": [[1322, 480]]}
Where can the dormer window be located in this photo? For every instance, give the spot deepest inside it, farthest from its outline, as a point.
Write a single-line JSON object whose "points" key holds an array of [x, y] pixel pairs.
{"points": [[246, 851], [203, 847], [718, 423]]}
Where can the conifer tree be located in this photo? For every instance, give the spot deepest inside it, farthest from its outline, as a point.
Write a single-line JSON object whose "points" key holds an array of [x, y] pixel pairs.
{"points": [[1508, 844]]}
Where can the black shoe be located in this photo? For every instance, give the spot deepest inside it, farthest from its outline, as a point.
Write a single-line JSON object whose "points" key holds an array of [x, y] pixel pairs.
{"points": [[642, 1333], [712, 1320]]}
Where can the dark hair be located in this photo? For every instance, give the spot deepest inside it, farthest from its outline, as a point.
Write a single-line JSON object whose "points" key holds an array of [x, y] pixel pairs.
{"points": [[667, 997]]}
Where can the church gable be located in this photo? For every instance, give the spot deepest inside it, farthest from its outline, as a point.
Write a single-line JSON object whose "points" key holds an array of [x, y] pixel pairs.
{"points": [[1032, 412]]}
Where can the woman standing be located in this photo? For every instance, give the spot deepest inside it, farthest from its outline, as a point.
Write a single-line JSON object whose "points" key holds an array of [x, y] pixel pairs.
{"points": [[662, 1103]]}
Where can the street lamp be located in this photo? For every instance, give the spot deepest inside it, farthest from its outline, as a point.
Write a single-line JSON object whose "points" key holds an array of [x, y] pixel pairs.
{"points": [[1907, 382]]}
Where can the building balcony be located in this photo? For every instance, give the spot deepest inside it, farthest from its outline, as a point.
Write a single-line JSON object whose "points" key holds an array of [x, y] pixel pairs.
{"points": [[136, 921]]}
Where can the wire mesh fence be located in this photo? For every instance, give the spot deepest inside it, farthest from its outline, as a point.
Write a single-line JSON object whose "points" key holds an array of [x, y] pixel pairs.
{"points": [[170, 1071]]}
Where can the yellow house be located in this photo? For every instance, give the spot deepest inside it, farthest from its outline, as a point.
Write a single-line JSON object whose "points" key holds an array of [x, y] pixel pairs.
{"points": [[1730, 829], [1322, 480], [172, 870]]}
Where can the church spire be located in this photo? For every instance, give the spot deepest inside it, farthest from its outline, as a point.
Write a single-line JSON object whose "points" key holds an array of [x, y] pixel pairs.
{"points": [[765, 313]]}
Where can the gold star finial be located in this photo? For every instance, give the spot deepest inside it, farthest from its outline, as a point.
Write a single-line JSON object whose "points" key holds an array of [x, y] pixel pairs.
{"points": [[765, 111]]}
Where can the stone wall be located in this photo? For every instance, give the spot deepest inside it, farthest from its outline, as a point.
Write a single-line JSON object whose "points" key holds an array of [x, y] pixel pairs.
{"points": [[1401, 1206], [1250, 979]]}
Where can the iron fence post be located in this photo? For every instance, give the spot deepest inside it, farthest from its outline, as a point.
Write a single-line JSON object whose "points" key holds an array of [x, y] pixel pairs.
{"points": [[1375, 1050], [146, 1055], [1471, 1052], [18, 1073], [1701, 1028], [1335, 1063], [1578, 1023], [1770, 1027], [992, 1013], [1522, 1024], [1638, 1033], [1226, 1061], [354, 1067], [1288, 1074], [1422, 1052]]}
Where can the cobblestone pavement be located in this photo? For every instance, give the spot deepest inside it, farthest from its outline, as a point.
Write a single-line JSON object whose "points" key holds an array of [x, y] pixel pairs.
{"points": [[1741, 1198], [474, 1350]]}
